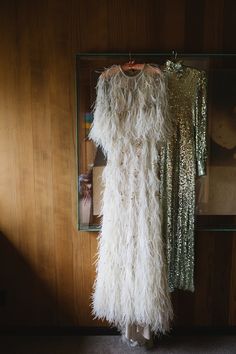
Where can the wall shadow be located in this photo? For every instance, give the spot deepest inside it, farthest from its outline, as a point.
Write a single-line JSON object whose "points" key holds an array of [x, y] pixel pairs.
{"points": [[25, 299]]}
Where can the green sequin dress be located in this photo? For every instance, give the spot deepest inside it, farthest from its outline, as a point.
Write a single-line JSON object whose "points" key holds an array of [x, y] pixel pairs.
{"points": [[182, 160]]}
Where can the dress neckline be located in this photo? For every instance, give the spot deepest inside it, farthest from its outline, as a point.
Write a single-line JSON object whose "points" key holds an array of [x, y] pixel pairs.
{"points": [[174, 66], [133, 76]]}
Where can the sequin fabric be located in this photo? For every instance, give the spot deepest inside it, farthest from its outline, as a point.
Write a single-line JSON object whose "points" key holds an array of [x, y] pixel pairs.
{"points": [[183, 159]]}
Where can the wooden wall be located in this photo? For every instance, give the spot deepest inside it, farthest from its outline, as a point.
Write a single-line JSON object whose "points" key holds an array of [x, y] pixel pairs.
{"points": [[46, 265]]}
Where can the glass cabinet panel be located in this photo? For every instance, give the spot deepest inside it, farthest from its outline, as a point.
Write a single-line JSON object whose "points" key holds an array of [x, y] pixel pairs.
{"points": [[216, 191]]}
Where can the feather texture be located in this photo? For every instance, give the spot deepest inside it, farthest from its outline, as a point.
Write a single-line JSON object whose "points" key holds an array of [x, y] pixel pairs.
{"points": [[130, 122]]}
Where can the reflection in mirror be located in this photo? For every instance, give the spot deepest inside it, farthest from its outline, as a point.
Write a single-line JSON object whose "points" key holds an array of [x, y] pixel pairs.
{"points": [[216, 191]]}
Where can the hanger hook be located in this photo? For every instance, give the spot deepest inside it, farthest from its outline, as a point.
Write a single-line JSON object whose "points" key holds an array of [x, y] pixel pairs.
{"points": [[174, 53], [130, 59]]}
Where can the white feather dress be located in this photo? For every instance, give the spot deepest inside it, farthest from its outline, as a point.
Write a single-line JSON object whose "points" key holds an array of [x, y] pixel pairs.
{"points": [[130, 122]]}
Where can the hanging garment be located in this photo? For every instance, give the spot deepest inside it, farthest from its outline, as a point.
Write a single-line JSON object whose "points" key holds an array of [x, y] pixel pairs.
{"points": [[130, 124], [183, 159]]}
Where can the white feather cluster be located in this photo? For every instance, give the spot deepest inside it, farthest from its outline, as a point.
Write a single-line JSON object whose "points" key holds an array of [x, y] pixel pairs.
{"points": [[130, 121]]}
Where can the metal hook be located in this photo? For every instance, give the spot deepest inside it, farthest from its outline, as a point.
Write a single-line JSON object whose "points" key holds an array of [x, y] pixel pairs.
{"points": [[174, 53], [130, 57], [131, 61]]}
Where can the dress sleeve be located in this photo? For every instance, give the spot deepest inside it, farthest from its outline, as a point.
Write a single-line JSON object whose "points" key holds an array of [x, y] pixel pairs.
{"points": [[167, 123], [99, 131], [163, 127], [201, 125]]}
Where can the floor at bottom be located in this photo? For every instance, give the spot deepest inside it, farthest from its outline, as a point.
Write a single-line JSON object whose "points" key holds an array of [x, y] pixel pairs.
{"points": [[190, 344]]}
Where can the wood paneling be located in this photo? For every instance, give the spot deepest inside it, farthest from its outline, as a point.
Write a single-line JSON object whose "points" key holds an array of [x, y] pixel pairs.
{"points": [[46, 265], [210, 303]]}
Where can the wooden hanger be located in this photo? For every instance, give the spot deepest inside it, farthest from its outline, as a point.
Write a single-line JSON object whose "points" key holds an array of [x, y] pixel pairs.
{"points": [[130, 65]]}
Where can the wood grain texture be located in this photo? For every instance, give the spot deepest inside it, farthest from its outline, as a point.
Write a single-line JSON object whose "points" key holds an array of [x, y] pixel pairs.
{"points": [[46, 265], [213, 25]]}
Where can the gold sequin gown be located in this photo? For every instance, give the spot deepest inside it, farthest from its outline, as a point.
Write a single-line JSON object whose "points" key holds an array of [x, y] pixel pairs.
{"points": [[183, 159]]}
